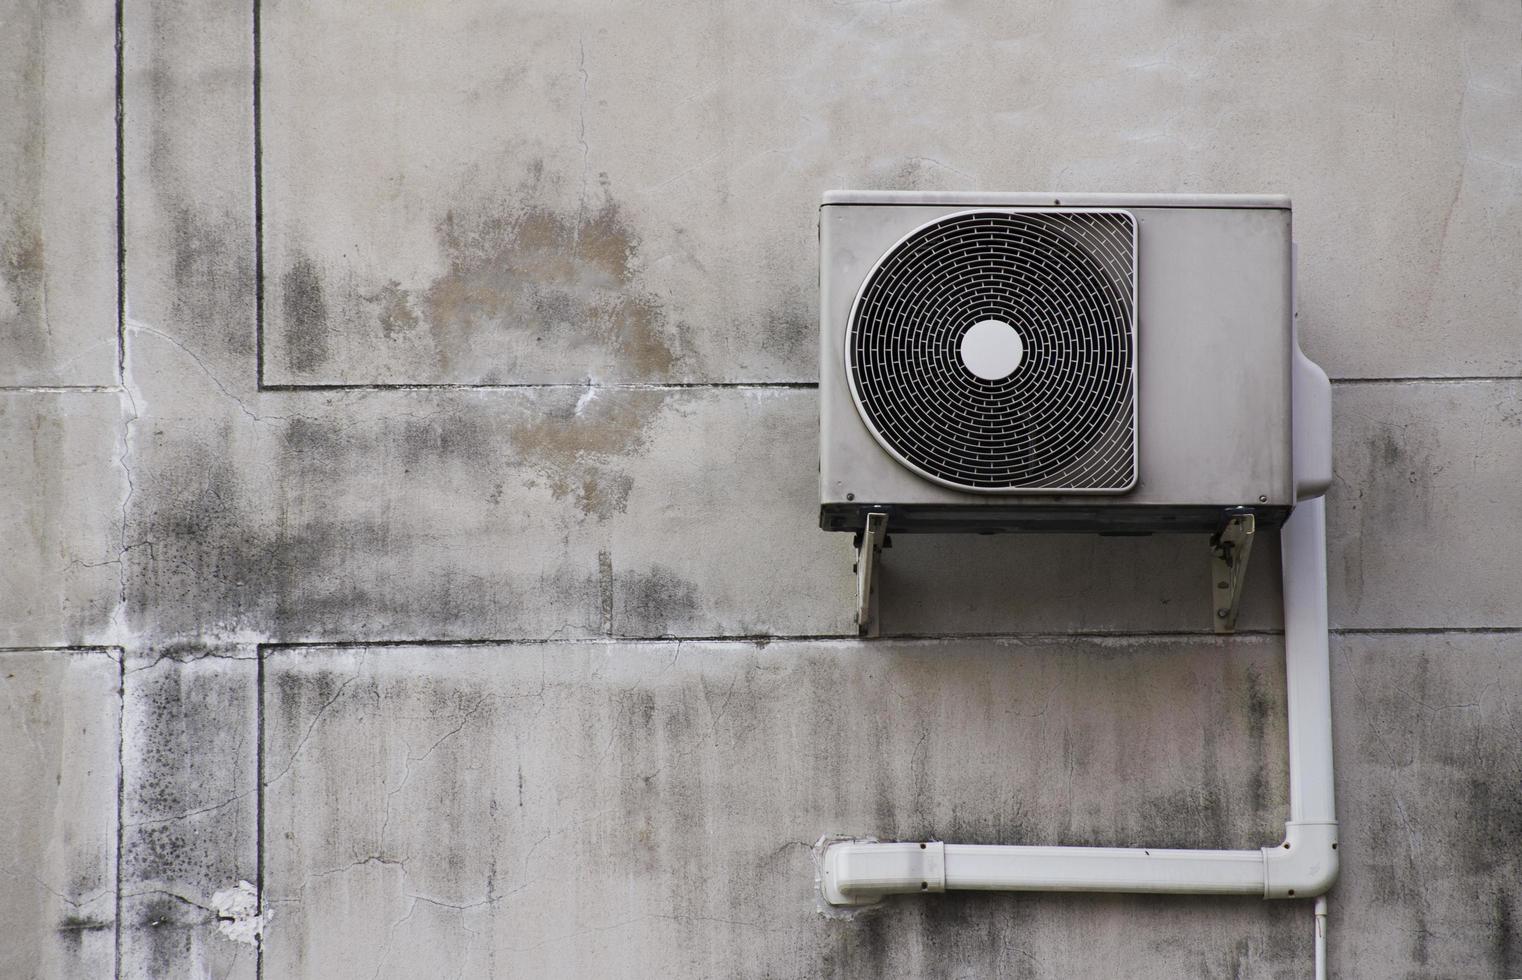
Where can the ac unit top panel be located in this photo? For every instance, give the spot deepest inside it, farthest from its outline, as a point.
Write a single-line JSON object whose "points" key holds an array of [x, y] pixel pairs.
{"points": [[1213, 339], [1040, 199]]}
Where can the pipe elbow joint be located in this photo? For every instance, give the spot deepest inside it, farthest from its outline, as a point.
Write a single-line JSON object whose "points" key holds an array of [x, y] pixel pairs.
{"points": [[1305, 865]]}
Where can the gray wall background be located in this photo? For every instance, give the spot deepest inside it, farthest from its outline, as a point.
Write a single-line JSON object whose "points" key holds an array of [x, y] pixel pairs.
{"points": [[408, 425]]}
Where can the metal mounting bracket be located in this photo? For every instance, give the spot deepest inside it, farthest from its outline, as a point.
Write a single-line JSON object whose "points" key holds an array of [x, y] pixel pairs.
{"points": [[1230, 548], [869, 550]]}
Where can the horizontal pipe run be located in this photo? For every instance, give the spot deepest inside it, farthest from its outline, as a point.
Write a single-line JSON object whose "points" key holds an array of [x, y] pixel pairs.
{"points": [[1103, 869], [861, 872]]}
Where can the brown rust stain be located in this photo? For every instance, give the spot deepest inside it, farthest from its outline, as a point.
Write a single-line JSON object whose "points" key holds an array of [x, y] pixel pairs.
{"points": [[563, 279], [579, 442], [540, 283]]}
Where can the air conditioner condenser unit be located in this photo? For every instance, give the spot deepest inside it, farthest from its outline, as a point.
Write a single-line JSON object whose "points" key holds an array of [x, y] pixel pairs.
{"points": [[1086, 362], [1030, 362]]}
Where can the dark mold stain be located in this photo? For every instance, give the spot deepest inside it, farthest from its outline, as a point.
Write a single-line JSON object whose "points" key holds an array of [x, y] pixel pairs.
{"points": [[1259, 706], [22, 273], [71, 930], [24, 332], [1508, 951], [189, 776], [213, 281], [790, 332], [657, 602], [306, 316]]}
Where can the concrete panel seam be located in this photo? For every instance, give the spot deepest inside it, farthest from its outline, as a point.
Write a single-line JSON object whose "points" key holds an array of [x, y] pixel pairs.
{"points": [[258, 222], [763, 640], [551, 386], [1432, 379], [121, 783], [62, 389], [735, 385], [121, 203], [259, 791], [110, 650]]}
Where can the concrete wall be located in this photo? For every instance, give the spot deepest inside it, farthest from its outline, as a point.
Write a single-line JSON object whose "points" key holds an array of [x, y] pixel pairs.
{"points": [[409, 436]]}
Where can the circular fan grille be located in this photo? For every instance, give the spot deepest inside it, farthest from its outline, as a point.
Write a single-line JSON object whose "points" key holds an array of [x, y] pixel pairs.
{"points": [[1064, 418]]}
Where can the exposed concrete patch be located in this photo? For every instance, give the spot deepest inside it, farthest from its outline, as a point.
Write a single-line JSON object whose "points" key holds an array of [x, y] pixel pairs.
{"points": [[239, 917]]}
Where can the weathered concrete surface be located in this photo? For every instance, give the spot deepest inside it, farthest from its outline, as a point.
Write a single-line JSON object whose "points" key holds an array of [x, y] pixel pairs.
{"points": [[582, 512], [1428, 730], [58, 774], [1064, 582], [493, 514], [62, 491], [1423, 515], [557, 193], [57, 193], [600, 809], [554, 191], [190, 807], [189, 155]]}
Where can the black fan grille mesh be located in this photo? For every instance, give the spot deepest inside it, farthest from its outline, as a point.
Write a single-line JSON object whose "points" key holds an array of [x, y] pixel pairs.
{"points": [[1065, 419]]}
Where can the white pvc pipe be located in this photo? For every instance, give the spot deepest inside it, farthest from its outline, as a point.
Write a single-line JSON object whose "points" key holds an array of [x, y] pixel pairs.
{"points": [[1320, 937], [1307, 665], [1104, 869], [1304, 865]]}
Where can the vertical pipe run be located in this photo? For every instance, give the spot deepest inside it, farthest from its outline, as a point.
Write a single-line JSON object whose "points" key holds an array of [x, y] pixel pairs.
{"points": [[1307, 665]]}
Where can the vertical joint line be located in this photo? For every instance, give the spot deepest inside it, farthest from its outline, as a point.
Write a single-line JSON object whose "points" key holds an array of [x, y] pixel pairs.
{"points": [[258, 212], [121, 783], [259, 652], [121, 202]]}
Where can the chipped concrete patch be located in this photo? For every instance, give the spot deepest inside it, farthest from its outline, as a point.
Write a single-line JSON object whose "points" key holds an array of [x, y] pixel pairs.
{"points": [[239, 917]]}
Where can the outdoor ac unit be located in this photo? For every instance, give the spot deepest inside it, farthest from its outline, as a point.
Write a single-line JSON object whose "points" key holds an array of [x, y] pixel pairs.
{"points": [[1037, 362], [1113, 363]]}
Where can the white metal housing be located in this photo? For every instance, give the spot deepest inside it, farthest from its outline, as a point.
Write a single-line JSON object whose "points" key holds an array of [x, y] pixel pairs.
{"points": [[1214, 362]]}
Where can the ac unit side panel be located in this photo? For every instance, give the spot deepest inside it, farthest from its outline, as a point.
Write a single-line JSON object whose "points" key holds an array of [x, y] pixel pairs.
{"points": [[1214, 354]]}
